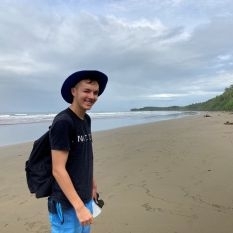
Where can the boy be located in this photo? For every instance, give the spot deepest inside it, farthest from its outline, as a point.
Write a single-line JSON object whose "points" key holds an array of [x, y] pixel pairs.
{"points": [[70, 204]]}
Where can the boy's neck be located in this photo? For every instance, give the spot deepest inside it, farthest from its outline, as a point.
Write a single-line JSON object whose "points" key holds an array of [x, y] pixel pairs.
{"points": [[79, 112]]}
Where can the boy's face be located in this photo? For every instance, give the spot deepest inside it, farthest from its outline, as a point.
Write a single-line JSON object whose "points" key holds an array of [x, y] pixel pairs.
{"points": [[85, 94]]}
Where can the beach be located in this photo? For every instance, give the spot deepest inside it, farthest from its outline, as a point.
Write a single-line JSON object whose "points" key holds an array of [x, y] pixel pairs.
{"points": [[172, 176]]}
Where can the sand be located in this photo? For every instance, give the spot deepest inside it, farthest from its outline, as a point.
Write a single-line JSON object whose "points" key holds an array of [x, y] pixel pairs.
{"points": [[173, 176]]}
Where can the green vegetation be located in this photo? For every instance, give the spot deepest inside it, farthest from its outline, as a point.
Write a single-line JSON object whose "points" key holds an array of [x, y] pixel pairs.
{"points": [[222, 102]]}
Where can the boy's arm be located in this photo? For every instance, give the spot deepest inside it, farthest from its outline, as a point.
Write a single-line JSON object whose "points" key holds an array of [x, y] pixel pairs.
{"points": [[59, 159]]}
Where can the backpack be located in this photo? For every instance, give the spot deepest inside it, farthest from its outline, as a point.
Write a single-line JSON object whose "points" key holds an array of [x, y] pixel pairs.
{"points": [[38, 167]]}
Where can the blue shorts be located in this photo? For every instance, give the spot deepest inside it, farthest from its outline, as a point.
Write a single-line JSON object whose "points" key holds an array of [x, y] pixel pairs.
{"points": [[66, 221]]}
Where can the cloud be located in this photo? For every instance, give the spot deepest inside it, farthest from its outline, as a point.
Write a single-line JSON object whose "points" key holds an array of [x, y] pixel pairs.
{"points": [[152, 57]]}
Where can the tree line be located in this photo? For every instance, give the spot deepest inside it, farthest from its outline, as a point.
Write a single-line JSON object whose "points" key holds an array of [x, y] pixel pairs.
{"points": [[223, 102]]}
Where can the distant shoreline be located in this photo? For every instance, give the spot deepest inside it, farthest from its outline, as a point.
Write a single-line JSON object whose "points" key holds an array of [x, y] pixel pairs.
{"points": [[29, 128]]}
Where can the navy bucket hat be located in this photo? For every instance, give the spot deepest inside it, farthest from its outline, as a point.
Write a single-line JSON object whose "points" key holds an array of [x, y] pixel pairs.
{"points": [[76, 77]]}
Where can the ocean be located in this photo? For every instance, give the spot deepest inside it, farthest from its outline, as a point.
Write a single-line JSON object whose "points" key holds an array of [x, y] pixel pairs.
{"points": [[18, 128]]}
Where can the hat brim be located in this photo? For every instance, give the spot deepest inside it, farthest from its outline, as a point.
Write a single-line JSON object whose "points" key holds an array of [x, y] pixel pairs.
{"points": [[76, 77]]}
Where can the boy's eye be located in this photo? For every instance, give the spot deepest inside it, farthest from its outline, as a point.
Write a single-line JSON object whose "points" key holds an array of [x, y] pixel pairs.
{"points": [[89, 91], [86, 90]]}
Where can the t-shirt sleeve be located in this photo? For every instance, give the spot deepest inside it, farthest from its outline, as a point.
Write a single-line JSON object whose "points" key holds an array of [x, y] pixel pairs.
{"points": [[88, 120], [60, 135]]}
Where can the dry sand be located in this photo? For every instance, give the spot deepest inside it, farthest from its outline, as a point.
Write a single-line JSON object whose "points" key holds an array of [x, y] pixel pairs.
{"points": [[166, 177]]}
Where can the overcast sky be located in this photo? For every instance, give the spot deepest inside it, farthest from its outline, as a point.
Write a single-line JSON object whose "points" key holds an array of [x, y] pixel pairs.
{"points": [[155, 53]]}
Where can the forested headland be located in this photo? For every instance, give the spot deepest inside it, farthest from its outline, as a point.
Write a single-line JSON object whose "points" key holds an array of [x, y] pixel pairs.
{"points": [[223, 102]]}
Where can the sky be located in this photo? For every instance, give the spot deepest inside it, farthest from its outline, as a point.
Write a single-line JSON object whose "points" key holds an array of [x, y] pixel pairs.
{"points": [[155, 53]]}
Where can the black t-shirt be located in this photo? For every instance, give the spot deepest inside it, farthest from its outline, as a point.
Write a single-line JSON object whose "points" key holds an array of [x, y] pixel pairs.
{"points": [[70, 133]]}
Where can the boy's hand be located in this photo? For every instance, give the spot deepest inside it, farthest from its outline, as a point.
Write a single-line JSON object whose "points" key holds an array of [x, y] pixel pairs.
{"points": [[84, 216]]}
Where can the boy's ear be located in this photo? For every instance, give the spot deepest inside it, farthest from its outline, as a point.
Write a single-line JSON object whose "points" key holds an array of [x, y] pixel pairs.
{"points": [[73, 89]]}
